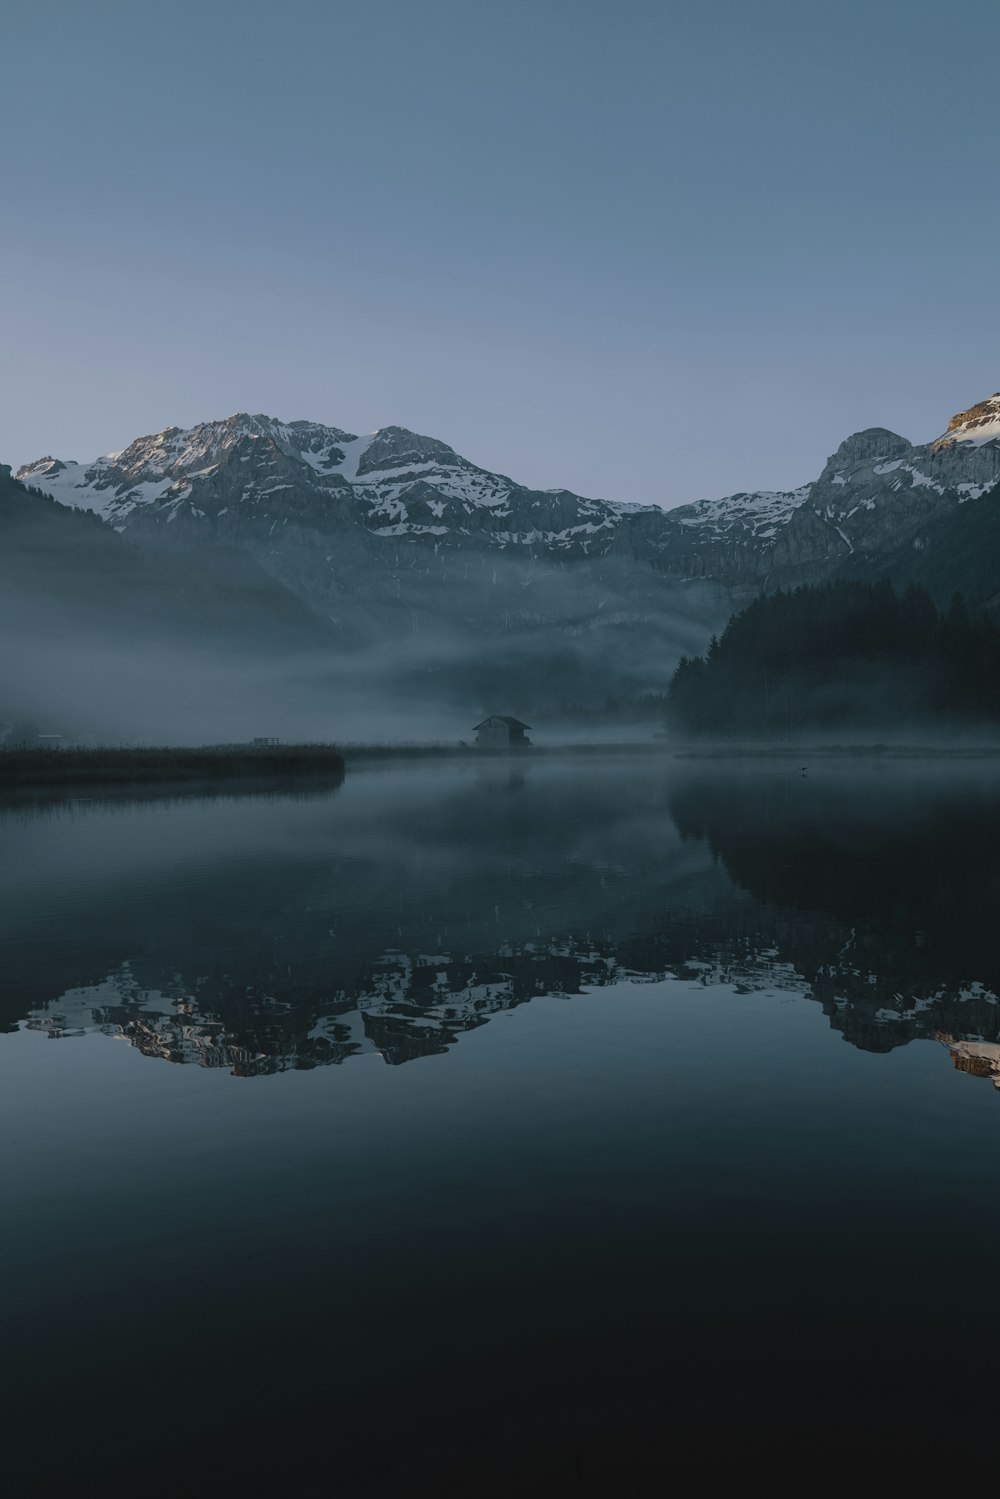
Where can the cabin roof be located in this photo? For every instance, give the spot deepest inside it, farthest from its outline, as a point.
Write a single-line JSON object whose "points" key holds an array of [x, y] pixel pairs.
{"points": [[512, 723]]}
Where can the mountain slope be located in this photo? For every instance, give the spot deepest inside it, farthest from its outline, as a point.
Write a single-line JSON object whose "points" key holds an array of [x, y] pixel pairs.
{"points": [[65, 569], [103, 639], [956, 552]]}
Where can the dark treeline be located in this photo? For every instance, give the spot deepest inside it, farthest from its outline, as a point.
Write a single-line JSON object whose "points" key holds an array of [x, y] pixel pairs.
{"points": [[843, 655]]}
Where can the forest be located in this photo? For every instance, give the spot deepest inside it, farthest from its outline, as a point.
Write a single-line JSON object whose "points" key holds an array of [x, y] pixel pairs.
{"points": [[840, 656]]}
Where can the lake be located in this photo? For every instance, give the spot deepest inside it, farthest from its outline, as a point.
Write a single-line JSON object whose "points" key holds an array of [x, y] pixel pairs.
{"points": [[527, 1122]]}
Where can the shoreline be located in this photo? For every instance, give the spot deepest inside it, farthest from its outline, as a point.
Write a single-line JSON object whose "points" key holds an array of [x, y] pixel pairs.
{"points": [[22, 769], [215, 766]]}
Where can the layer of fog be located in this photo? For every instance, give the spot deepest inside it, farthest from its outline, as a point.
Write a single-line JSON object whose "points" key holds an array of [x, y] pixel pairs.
{"points": [[409, 691], [381, 641]]}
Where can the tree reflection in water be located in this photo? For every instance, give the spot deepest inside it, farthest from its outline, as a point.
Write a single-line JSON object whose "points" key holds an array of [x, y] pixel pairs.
{"points": [[263, 934]]}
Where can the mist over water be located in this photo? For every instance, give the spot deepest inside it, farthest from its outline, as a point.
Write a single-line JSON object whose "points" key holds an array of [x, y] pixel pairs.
{"points": [[164, 695]]}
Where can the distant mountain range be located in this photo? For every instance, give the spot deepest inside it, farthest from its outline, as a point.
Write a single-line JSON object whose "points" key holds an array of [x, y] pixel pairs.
{"points": [[265, 485], [494, 595]]}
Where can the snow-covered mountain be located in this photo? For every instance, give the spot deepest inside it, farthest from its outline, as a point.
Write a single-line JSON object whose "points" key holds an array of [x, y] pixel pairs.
{"points": [[978, 425], [877, 495], [221, 478], [276, 487]]}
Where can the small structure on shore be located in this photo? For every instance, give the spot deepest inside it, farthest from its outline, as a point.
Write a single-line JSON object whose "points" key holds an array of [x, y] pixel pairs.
{"points": [[500, 732], [262, 741]]}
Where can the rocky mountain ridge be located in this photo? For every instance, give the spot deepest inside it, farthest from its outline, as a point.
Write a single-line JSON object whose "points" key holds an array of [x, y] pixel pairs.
{"points": [[275, 486], [219, 480]]}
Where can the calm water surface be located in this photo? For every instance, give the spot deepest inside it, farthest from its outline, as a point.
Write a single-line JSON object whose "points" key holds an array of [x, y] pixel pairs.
{"points": [[509, 1123]]}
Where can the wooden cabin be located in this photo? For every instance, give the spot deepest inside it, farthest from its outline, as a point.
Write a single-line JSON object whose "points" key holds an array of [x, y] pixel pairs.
{"points": [[500, 732]]}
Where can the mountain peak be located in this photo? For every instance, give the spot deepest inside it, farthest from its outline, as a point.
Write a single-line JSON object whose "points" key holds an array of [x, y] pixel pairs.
{"points": [[979, 424], [872, 445], [397, 447]]}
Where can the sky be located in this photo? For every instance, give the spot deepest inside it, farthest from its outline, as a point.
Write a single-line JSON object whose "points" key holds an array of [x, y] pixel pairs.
{"points": [[647, 251]]}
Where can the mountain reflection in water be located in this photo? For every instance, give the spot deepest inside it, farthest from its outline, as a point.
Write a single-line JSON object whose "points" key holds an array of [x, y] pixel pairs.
{"points": [[259, 934]]}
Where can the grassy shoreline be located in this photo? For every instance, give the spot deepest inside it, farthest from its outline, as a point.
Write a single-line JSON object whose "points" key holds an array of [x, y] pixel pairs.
{"points": [[59, 767]]}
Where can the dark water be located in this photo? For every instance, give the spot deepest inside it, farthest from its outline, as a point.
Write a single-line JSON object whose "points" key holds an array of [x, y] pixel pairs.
{"points": [[546, 1126]]}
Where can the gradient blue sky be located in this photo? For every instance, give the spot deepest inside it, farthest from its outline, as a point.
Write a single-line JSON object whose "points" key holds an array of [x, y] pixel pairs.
{"points": [[648, 251]]}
